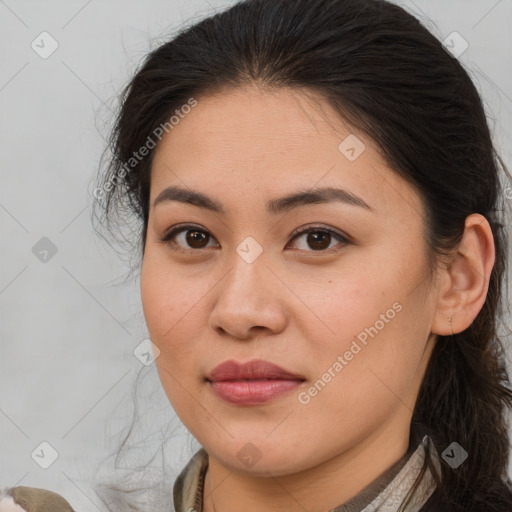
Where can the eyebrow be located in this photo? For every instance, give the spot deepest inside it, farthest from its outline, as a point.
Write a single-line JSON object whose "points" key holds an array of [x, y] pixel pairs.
{"points": [[274, 206]]}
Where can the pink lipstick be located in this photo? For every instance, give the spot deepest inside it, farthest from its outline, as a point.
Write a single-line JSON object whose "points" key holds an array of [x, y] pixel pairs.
{"points": [[252, 383]]}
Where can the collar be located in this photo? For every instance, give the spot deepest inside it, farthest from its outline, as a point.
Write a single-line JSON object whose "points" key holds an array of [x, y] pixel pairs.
{"points": [[387, 493]]}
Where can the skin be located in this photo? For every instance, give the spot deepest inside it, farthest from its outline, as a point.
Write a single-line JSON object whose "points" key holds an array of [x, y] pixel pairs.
{"points": [[295, 305]]}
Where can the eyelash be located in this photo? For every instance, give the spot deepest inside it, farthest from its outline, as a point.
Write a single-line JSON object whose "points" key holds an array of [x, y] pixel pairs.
{"points": [[167, 238]]}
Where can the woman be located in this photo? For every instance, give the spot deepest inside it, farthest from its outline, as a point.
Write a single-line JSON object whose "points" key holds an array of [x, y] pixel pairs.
{"points": [[322, 259]]}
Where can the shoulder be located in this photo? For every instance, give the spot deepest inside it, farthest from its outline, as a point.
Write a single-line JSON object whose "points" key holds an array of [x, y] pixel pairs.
{"points": [[32, 499]]}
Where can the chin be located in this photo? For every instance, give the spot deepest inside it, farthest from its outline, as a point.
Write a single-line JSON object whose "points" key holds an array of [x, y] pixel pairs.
{"points": [[258, 457]]}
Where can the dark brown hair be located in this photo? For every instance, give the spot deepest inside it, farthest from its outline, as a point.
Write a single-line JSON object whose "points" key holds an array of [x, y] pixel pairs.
{"points": [[393, 80]]}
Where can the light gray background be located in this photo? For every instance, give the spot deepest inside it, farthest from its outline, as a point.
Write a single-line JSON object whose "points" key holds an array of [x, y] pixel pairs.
{"points": [[69, 326]]}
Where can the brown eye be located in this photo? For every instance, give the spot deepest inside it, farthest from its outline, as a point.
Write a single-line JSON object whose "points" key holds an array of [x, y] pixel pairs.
{"points": [[319, 239], [187, 238], [197, 239]]}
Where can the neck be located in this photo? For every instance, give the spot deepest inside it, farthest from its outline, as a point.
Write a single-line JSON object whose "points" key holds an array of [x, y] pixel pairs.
{"points": [[320, 488]]}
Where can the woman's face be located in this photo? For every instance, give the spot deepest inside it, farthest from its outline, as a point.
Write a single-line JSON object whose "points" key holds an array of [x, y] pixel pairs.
{"points": [[346, 306]]}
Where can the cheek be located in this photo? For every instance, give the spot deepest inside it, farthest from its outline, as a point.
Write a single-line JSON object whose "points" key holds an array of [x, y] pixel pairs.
{"points": [[162, 312], [375, 317], [167, 297], [367, 372], [165, 307], [349, 302], [174, 310], [157, 305]]}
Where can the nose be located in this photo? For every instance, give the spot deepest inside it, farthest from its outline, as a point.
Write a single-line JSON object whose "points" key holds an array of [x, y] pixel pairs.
{"points": [[248, 300]]}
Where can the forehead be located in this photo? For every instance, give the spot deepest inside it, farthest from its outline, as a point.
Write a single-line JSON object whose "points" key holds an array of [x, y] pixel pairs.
{"points": [[254, 125], [253, 141]]}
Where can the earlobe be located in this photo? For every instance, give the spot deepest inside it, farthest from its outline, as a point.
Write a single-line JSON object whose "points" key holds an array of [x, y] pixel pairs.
{"points": [[465, 280]]}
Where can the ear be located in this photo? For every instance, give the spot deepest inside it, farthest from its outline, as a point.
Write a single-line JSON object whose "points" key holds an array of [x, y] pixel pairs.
{"points": [[464, 282]]}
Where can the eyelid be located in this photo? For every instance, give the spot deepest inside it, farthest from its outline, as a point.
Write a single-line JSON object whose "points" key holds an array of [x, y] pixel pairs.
{"points": [[179, 228]]}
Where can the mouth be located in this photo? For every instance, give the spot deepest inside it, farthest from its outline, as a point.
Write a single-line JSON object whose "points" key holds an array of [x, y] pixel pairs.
{"points": [[252, 383]]}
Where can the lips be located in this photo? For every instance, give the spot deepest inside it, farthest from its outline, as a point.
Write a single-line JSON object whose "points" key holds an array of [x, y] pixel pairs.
{"points": [[252, 383], [251, 370]]}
